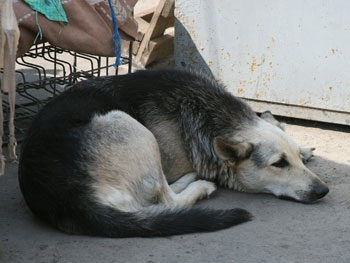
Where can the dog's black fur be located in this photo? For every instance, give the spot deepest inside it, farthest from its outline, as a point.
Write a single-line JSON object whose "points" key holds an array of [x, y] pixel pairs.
{"points": [[58, 190]]}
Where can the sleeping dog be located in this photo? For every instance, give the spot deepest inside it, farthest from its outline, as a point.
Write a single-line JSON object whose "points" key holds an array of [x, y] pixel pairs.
{"points": [[128, 155]]}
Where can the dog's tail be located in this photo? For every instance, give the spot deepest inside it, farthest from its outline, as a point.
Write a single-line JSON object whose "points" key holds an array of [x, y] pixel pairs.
{"points": [[108, 222]]}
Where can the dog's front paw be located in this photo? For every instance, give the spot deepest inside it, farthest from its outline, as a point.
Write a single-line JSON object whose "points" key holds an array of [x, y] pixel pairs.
{"points": [[306, 153], [208, 187]]}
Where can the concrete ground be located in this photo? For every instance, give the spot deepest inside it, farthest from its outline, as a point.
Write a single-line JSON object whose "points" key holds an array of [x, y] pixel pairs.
{"points": [[282, 231]]}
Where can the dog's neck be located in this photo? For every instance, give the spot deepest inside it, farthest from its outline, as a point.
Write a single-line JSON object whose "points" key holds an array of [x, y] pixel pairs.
{"points": [[216, 170], [229, 179]]}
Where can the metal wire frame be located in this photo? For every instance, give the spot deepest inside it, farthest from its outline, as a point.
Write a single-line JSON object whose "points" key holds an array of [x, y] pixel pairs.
{"points": [[44, 72]]}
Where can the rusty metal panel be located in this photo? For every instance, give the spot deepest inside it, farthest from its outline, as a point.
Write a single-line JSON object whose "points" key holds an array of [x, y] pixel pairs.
{"points": [[293, 55]]}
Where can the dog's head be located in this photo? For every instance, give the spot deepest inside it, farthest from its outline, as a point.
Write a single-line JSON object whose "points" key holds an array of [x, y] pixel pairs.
{"points": [[265, 159]]}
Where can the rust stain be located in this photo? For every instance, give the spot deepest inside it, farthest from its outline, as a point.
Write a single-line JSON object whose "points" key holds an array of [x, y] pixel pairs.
{"points": [[254, 64], [240, 91]]}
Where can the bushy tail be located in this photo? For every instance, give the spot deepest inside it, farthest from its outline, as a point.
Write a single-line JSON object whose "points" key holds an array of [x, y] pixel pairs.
{"points": [[108, 222]]}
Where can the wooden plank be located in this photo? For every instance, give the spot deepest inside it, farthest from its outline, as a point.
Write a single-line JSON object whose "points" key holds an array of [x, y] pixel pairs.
{"points": [[142, 28], [146, 14], [158, 48], [135, 47], [162, 19], [143, 25], [159, 23]]}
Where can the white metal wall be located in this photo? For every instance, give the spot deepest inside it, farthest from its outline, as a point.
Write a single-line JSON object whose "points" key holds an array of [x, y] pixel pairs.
{"points": [[291, 56]]}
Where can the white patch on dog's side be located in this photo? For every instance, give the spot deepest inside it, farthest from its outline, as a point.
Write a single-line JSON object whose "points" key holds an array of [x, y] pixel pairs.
{"points": [[127, 168], [127, 162]]}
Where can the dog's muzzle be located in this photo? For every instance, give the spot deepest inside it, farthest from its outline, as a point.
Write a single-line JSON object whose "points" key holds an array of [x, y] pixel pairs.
{"points": [[315, 193]]}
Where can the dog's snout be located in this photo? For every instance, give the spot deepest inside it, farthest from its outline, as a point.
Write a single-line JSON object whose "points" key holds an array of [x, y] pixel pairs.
{"points": [[320, 190]]}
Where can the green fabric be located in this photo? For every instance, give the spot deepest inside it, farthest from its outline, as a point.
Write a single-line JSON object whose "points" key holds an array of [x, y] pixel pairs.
{"points": [[52, 9]]}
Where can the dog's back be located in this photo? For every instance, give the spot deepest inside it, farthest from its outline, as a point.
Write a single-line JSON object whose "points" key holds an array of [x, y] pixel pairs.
{"points": [[61, 147]]}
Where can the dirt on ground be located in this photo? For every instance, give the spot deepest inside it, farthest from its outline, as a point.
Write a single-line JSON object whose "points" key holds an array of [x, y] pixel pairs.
{"points": [[281, 231]]}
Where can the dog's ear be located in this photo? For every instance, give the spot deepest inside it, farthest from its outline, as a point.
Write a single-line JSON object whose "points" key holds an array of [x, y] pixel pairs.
{"points": [[306, 153], [232, 152], [268, 117]]}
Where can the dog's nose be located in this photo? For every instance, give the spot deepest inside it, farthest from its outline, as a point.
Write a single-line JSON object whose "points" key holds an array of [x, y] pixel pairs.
{"points": [[320, 190]]}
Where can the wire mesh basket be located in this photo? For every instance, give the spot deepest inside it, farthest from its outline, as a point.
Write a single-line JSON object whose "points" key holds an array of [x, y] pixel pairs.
{"points": [[44, 72]]}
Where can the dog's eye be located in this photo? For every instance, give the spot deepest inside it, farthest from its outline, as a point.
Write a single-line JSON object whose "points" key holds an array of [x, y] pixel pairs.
{"points": [[280, 163]]}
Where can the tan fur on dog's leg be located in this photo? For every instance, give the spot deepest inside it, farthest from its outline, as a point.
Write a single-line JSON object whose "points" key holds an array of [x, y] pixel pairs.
{"points": [[183, 182]]}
